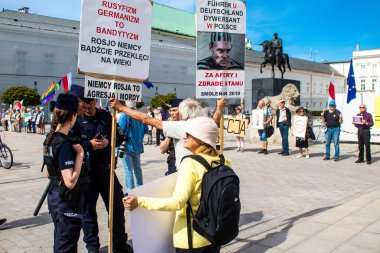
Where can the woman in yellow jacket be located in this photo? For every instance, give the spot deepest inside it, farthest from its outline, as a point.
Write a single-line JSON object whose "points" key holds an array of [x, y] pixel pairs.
{"points": [[200, 139]]}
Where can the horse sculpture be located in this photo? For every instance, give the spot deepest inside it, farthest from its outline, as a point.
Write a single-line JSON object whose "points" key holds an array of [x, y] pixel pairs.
{"points": [[270, 58]]}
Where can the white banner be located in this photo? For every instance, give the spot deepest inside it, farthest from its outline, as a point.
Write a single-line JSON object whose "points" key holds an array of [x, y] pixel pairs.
{"points": [[258, 119], [152, 231], [221, 16], [115, 38], [106, 89], [215, 84], [299, 126]]}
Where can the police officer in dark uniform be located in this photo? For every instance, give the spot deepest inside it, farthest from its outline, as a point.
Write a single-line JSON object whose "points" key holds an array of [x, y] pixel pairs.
{"points": [[95, 129], [167, 146], [69, 179]]}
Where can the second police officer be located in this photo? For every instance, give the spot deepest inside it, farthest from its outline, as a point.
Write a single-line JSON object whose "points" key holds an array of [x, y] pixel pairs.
{"points": [[94, 129]]}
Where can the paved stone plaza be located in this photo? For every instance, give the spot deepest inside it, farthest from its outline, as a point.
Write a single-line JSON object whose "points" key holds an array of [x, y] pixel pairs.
{"points": [[288, 204]]}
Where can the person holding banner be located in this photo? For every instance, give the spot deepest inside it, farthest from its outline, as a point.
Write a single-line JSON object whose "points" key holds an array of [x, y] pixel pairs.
{"points": [[200, 139], [94, 131], [239, 140], [303, 143], [188, 109], [364, 134], [220, 47]]}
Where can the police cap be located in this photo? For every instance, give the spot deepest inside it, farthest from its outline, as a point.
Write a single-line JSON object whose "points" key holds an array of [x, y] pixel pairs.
{"points": [[78, 91], [174, 102], [67, 102]]}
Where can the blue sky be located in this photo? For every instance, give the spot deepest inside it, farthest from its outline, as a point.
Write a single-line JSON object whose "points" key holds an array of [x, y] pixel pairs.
{"points": [[330, 29]]}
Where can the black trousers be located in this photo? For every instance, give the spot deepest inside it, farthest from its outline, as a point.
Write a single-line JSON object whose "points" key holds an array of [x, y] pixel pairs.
{"points": [[208, 249], [159, 134], [100, 185], [364, 138]]}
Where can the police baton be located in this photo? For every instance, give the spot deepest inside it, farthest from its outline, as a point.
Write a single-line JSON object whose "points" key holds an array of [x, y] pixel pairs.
{"points": [[42, 199]]}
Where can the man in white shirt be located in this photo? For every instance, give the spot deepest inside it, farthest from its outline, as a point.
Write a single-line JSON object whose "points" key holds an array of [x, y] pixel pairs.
{"points": [[188, 109]]}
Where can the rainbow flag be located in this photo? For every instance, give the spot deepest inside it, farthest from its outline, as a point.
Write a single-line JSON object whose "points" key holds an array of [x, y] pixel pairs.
{"points": [[49, 94]]}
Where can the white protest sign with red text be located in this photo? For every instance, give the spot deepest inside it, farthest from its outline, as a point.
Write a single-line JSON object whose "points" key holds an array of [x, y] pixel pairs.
{"points": [[115, 38], [221, 27]]}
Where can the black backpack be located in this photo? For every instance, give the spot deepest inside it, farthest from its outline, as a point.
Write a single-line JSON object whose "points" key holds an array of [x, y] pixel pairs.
{"points": [[217, 218]]}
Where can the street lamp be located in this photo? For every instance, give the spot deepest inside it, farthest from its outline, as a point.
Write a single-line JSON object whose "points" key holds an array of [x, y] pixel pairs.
{"points": [[156, 91]]}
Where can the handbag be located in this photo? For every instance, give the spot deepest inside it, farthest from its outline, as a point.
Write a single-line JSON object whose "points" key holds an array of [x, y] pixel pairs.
{"points": [[310, 134], [269, 130]]}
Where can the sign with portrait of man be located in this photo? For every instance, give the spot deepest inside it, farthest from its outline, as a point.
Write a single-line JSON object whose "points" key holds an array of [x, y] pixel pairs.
{"points": [[221, 27]]}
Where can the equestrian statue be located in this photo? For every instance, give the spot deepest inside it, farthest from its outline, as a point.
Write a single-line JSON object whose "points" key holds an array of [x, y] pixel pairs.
{"points": [[274, 55]]}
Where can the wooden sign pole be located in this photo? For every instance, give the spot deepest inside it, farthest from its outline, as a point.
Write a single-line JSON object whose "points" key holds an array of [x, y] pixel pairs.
{"points": [[221, 135], [112, 180]]}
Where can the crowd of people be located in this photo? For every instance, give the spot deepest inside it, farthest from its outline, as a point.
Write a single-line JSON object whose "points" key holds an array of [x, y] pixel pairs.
{"points": [[331, 121], [80, 173], [77, 155], [26, 120]]}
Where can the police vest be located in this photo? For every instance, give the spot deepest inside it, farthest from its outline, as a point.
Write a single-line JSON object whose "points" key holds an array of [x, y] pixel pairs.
{"points": [[55, 175]]}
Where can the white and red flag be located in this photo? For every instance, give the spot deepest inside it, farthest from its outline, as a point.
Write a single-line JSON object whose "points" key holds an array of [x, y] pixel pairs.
{"points": [[19, 104], [66, 82], [332, 89]]}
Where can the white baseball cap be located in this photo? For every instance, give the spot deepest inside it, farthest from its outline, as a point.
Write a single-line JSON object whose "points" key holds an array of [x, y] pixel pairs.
{"points": [[204, 129]]}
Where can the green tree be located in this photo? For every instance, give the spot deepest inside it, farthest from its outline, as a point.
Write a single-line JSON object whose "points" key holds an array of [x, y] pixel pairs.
{"points": [[162, 100], [139, 104], [29, 96]]}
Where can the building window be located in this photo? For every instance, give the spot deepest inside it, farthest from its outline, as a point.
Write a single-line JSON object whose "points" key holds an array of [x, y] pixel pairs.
{"points": [[49, 64], [374, 81], [307, 104], [21, 62], [327, 89], [321, 89], [362, 66], [374, 65], [314, 87], [362, 84], [308, 87]]}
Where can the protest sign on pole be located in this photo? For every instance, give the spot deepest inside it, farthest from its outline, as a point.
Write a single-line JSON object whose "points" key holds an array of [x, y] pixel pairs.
{"points": [[299, 126], [114, 53], [115, 38], [221, 27], [237, 127], [103, 89]]}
